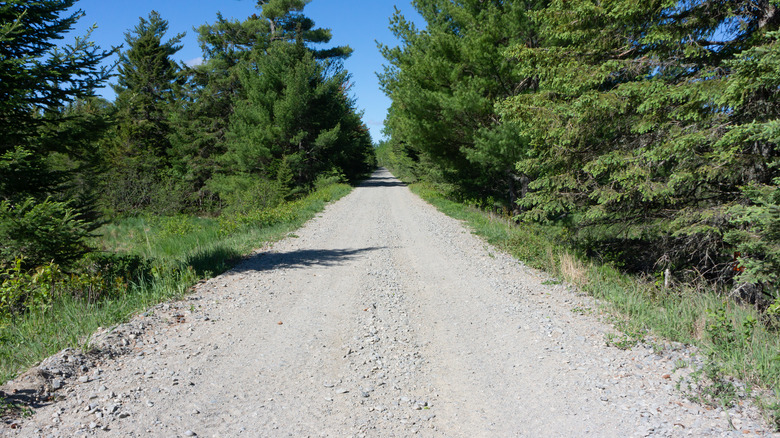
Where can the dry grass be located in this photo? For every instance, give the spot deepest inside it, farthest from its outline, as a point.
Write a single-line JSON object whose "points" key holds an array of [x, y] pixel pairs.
{"points": [[572, 270]]}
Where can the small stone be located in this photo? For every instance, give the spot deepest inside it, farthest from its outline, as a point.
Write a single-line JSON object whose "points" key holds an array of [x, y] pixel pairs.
{"points": [[190, 433], [84, 379], [342, 391], [93, 425], [57, 384], [124, 415]]}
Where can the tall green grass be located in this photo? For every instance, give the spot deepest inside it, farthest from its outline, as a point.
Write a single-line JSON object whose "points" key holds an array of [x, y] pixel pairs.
{"points": [[731, 336], [182, 250]]}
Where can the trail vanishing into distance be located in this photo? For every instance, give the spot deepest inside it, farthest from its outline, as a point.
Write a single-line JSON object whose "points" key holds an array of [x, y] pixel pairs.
{"points": [[381, 317]]}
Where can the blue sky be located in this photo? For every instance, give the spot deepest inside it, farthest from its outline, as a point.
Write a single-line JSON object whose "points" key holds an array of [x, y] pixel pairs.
{"points": [[357, 23]]}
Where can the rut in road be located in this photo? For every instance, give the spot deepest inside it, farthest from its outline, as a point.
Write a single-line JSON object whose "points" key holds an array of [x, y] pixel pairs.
{"points": [[381, 317]]}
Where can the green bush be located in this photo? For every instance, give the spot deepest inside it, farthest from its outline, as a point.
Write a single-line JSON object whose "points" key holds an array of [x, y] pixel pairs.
{"points": [[118, 267], [326, 179], [21, 289], [41, 232], [246, 193], [99, 276], [756, 238]]}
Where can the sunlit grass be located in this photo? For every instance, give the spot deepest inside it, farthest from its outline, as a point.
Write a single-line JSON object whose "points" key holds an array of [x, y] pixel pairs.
{"points": [[183, 250], [689, 314]]}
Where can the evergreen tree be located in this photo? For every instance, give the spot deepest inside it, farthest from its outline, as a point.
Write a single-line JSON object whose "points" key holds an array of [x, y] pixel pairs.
{"points": [[292, 119], [37, 79], [148, 78], [651, 121], [147, 92], [444, 82], [211, 89], [45, 143]]}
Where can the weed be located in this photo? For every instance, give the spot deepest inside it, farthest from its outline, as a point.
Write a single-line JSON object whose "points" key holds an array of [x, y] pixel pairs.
{"points": [[572, 269], [13, 409], [680, 364], [551, 282], [710, 386], [581, 310], [624, 341]]}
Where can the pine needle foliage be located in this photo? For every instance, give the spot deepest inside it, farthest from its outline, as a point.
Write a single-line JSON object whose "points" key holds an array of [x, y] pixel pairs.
{"points": [[444, 81], [651, 123], [45, 141], [648, 129]]}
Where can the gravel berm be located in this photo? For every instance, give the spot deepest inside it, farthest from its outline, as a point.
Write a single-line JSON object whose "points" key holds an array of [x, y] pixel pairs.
{"points": [[381, 317]]}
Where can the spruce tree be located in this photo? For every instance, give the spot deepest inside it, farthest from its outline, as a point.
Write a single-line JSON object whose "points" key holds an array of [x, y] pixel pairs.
{"points": [[444, 82], [147, 92], [37, 79], [652, 120], [45, 141]]}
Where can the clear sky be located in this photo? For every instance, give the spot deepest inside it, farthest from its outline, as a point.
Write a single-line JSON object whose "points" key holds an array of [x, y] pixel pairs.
{"points": [[357, 23]]}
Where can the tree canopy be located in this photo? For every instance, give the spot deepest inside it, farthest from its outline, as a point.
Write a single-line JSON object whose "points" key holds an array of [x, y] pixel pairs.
{"points": [[649, 129], [265, 114]]}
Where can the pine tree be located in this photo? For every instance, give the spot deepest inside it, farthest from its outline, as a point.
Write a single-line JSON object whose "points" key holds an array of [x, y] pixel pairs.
{"points": [[292, 119], [211, 91], [37, 78], [44, 141], [651, 120], [444, 81], [147, 91]]}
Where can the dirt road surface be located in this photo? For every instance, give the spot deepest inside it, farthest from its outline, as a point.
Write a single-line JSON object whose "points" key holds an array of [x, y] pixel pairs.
{"points": [[381, 317]]}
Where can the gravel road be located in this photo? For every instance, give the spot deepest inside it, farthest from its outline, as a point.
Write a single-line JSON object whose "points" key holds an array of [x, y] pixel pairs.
{"points": [[381, 317]]}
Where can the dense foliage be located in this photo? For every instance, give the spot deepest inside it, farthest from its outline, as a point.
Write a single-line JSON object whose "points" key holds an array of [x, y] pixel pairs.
{"points": [[648, 129], [45, 144], [444, 83], [264, 118]]}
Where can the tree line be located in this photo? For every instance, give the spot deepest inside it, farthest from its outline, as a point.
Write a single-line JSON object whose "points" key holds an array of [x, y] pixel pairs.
{"points": [[265, 115], [647, 130]]}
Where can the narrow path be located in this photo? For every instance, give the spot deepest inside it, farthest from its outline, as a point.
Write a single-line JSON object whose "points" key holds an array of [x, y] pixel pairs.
{"points": [[381, 317]]}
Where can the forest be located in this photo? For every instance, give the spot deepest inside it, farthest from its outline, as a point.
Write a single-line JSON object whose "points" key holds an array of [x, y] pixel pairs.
{"points": [[265, 121], [646, 132]]}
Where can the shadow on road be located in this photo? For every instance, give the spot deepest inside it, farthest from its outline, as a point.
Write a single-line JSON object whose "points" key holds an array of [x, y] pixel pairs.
{"points": [[379, 181], [301, 259]]}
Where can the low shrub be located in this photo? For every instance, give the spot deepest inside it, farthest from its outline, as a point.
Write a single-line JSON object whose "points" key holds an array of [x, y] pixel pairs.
{"points": [[37, 233]]}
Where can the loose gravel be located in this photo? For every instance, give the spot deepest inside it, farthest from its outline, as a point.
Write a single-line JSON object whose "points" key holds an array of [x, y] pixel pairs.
{"points": [[380, 317]]}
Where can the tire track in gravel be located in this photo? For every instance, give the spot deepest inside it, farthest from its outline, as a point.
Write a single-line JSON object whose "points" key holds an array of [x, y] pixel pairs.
{"points": [[381, 317]]}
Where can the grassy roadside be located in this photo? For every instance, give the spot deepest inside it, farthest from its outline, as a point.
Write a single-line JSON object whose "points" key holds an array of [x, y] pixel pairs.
{"points": [[731, 336], [177, 252]]}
